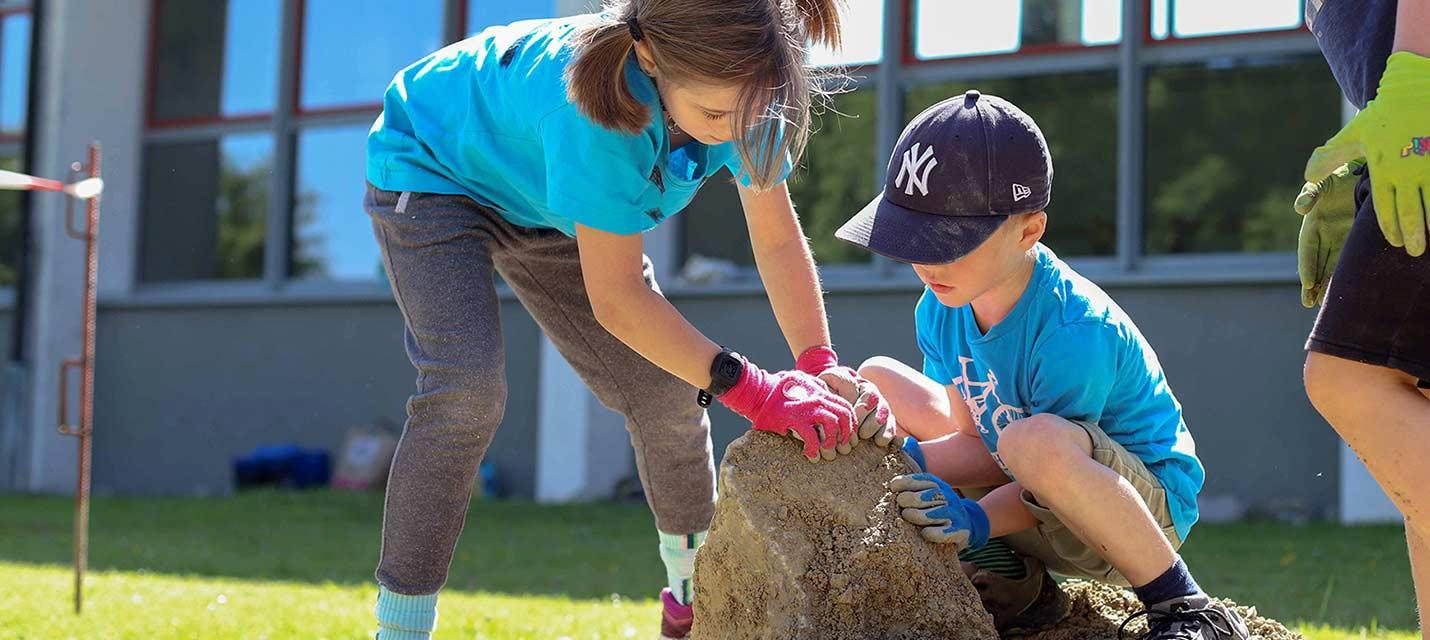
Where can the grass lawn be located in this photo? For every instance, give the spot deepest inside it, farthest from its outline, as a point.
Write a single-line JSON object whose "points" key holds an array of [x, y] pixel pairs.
{"points": [[282, 565]]}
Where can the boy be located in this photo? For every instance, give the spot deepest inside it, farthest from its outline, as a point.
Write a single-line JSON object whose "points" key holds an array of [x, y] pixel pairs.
{"points": [[1038, 398]]}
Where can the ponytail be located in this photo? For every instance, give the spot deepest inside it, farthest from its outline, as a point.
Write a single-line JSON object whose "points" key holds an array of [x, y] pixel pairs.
{"points": [[821, 20], [596, 78]]}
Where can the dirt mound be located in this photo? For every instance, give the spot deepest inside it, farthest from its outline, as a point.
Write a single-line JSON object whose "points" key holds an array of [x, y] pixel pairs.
{"points": [[1099, 609], [818, 551]]}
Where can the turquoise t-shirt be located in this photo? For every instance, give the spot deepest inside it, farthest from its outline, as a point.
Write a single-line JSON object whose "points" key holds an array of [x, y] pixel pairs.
{"points": [[1069, 350], [488, 118]]}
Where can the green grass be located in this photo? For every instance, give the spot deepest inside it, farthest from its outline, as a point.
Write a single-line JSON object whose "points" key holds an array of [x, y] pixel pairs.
{"points": [[278, 565]]}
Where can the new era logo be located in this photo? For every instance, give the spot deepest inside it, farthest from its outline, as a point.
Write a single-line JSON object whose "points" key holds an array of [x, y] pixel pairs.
{"points": [[1020, 192], [917, 168]]}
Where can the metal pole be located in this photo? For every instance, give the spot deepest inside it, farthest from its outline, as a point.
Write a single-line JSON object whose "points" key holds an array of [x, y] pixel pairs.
{"points": [[889, 90], [90, 235], [1131, 134]]}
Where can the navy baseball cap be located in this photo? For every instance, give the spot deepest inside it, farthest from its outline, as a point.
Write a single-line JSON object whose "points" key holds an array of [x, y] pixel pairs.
{"points": [[959, 170]]}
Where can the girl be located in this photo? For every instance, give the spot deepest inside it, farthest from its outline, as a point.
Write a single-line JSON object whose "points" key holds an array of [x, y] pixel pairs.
{"points": [[543, 150]]}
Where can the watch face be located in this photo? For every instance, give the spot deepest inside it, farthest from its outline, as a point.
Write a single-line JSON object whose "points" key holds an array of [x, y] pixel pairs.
{"points": [[729, 367]]}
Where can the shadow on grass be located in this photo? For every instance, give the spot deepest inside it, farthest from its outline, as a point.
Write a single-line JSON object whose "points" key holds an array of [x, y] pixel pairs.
{"points": [[1320, 573], [578, 551]]}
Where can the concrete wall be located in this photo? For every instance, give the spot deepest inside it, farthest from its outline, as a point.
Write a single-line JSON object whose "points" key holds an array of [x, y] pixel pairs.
{"points": [[1232, 353], [181, 391]]}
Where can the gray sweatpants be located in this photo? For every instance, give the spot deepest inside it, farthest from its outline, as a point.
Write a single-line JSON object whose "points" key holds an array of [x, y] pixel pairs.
{"points": [[440, 252]]}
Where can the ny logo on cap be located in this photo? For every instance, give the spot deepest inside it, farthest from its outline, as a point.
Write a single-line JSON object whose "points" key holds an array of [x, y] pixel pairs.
{"points": [[913, 163], [1020, 192]]}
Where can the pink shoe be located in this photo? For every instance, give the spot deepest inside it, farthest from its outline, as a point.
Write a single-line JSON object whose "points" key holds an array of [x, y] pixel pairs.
{"points": [[676, 618]]}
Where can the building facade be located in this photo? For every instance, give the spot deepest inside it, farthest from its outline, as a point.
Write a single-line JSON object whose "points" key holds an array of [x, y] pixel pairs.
{"points": [[242, 301]]}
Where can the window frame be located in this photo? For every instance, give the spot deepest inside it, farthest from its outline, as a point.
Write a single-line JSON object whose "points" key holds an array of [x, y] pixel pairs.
{"points": [[284, 124], [14, 143], [1131, 58], [898, 71]]}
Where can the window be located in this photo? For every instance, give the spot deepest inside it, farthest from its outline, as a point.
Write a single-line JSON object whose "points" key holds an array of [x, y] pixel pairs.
{"points": [[835, 180], [9, 226], [1081, 139], [837, 176], [863, 36], [1190, 19], [487, 13], [953, 28], [207, 208], [14, 92], [1226, 144], [14, 72], [331, 235], [352, 48], [222, 139], [214, 60]]}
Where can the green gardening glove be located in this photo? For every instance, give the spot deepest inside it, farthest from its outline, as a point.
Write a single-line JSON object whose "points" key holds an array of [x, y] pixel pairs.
{"points": [[1393, 135], [1329, 207]]}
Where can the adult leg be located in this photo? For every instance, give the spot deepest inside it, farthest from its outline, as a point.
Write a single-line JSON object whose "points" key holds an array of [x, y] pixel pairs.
{"points": [[1369, 351], [439, 264], [1383, 417], [1420, 569]]}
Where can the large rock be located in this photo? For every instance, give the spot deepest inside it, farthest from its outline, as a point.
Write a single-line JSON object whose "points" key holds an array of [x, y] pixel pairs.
{"points": [[818, 551]]}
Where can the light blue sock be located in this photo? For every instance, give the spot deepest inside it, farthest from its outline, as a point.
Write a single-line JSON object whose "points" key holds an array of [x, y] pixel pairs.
{"points": [[402, 617], [678, 553]]}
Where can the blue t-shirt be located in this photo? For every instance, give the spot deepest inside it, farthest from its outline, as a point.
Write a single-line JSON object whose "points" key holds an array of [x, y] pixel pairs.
{"points": [[1068, 350], [488, 117], [1356, 37]]}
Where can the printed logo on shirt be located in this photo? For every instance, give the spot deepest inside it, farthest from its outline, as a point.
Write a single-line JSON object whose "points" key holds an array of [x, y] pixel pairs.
{"points": [[656, 178], [914, 163], [1418, 146], [988, 410], [655, 214]]}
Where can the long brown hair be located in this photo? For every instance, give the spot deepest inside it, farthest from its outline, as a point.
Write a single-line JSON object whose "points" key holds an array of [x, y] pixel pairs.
{"points": [[757, 44]]}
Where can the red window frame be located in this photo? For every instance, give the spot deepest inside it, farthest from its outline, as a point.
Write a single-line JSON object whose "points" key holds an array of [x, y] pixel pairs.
{"points": [[150, 92], [910, 58]]}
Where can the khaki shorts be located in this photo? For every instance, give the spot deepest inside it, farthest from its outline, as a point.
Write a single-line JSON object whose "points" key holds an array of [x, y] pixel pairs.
{"points": [[1058, 547]]}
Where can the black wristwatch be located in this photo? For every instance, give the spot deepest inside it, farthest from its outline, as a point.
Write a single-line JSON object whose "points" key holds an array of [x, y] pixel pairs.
{"points": [[725, 372]]}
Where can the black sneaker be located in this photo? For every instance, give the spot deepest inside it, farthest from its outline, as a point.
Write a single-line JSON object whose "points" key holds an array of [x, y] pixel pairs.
{"points": [[1196, 617]]}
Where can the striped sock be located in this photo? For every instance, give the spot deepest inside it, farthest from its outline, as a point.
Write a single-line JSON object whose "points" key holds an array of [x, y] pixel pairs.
{"points": [[678, 553], [996, 558], [402, 617]]}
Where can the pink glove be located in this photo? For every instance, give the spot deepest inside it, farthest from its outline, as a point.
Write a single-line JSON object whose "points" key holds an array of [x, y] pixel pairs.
{"points": [[792, 403], [871, 413]]}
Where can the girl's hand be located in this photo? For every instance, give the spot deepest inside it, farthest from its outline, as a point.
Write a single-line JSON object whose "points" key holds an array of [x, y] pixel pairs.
{"points": [[796, 404], [871, 412]]}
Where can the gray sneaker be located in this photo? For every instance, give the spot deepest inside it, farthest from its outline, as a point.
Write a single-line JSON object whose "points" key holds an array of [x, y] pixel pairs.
{"points": [[1195, 617]]}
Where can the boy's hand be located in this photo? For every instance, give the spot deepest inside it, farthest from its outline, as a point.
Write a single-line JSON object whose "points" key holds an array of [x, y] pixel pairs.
{"points": [[941, 514], [871, 412], [1393, 135], [1329, 209], [793, 403], [913, 453]]}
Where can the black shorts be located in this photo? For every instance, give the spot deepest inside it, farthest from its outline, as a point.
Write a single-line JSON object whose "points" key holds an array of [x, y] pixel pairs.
{"points": [[1377, 308]]}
